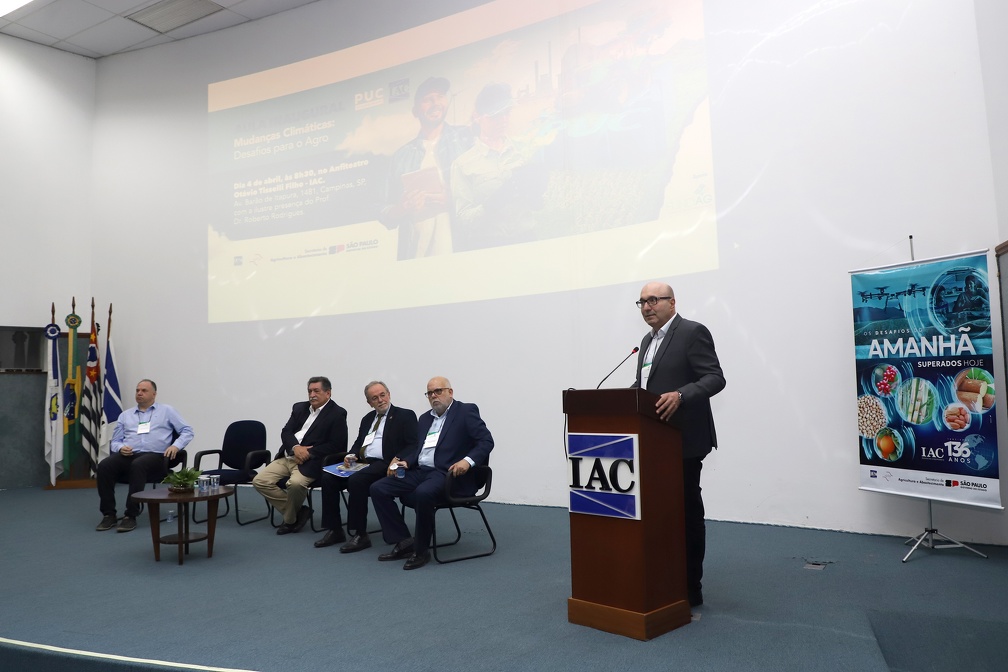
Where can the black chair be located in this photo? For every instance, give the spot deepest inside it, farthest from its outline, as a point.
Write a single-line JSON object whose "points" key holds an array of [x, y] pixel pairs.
{"points": [[451, 501], [242, 451], [336, 458]]}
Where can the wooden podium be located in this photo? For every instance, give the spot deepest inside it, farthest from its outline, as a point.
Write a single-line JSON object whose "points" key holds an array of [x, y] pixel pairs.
{"points": [[628, 577]]}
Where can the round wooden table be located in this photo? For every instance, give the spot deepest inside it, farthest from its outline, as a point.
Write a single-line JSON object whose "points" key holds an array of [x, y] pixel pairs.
{"points": [[155, 497]]}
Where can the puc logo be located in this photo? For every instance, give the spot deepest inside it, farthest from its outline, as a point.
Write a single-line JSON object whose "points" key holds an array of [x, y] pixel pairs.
{"points": [[372, 98]]}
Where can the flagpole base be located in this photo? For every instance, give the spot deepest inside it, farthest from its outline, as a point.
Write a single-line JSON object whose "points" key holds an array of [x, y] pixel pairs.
{"points": [[71, 484]]}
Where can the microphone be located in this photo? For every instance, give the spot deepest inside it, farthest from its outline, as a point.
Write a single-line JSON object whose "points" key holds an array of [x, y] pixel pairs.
{"points": [[632, 353]]}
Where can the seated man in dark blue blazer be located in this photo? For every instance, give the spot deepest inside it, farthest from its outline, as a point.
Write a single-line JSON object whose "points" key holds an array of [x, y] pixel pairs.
{"points": [[385, 432], [451, 438]]}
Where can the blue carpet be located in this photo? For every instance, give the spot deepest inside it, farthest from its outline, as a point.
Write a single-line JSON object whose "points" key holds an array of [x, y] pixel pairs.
{"points": [[266, 602]]}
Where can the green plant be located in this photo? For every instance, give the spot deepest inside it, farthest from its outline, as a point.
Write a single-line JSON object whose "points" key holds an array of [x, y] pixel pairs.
{"points": [[183, 478]]}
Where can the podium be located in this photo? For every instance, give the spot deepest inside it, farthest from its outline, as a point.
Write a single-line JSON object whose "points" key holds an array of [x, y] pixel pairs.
{"points": [[628, 576]]}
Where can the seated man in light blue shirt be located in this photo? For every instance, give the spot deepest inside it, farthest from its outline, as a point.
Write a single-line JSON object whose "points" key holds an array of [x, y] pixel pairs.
{"points": [[140, 442]]}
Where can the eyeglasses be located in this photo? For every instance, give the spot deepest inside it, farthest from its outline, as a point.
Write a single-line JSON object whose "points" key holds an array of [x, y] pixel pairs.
{"points": [[377, 397], [436, 392], [651, 301]]}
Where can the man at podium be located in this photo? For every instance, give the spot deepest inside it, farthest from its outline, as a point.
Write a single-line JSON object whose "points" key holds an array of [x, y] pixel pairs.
{"points": [[677, 361]]}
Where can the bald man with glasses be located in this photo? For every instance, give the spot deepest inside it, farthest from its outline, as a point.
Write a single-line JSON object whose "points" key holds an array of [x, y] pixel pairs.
{"points": [[452, 438], [677, 361]]}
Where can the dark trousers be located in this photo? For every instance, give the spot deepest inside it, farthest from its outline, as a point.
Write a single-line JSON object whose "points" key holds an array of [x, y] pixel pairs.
{"points": [[139, 469], [422, 487], [358, 487], [696, 529]]}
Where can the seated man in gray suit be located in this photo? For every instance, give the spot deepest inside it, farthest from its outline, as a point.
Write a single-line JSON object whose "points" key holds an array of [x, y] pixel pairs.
{"points": [[451, 438], [385, 432], [316, 428]]}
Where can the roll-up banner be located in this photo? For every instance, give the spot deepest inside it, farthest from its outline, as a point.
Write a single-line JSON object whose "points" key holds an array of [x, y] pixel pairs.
{"points": [[925, 383]]}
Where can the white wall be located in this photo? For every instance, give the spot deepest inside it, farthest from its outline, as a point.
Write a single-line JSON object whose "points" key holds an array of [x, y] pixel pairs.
{"points": [[47, 112], [839, 130]]}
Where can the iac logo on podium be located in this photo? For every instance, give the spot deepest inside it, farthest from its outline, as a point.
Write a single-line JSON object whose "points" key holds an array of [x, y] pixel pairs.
{"points": [[603, 475]]}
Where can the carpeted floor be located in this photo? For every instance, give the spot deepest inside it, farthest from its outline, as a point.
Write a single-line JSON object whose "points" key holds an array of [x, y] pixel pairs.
{"points": [[776, 599]]}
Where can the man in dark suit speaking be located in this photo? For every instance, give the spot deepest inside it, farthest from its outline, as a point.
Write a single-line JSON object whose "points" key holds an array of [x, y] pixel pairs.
{"points": [[316, 428], [385, 432], [450, 439], [677, 361]]}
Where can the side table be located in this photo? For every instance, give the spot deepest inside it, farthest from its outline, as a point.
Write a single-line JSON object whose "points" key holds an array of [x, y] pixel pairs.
{"points": [[155, 497]]}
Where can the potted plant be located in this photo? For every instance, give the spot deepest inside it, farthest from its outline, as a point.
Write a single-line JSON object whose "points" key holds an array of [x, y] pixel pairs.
{"points": [[183, 480]]}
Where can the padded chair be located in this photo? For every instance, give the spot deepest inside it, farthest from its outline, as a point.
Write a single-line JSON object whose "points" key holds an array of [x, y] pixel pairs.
{"points": [[242, 451], [451, 501]]}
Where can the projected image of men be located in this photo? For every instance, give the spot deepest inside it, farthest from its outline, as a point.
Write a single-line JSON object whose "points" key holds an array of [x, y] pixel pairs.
{"points": [[498, 183], [417, 196]]}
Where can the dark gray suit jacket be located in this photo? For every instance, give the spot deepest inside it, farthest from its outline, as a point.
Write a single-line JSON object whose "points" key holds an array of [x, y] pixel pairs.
{"points": [[686, 361], [399, 435], [326, 436]]}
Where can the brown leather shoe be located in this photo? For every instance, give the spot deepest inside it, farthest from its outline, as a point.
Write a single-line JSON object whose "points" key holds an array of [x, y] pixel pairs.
{"points": [[331, 538], [416, 561], [303, 516], [358, 543], [403, 549]]}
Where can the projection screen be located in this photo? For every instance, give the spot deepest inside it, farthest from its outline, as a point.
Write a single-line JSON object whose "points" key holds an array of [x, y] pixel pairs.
{"points": [[518, 147]]}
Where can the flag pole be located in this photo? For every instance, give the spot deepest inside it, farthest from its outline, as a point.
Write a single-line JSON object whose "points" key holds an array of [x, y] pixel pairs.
{"points": [[53, 409], [90, 399], [111, 406]]}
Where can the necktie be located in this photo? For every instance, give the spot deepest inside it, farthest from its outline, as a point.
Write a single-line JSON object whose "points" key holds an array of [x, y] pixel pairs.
{"points": [[374, 428]]}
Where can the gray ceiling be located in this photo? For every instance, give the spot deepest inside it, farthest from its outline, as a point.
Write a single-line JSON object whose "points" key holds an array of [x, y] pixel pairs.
{"points": [[97, 28]]}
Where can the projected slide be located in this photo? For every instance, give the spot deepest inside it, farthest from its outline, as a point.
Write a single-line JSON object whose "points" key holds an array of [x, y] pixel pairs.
{"points": [[504, 151]]}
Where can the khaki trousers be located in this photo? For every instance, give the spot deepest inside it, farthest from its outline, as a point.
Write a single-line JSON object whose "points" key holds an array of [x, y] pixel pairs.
{"points": [[287, 501]]}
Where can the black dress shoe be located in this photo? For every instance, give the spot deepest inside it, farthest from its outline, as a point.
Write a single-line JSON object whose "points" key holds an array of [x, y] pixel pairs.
{"points": [[358, 543], [401, 550], [331, 538], [303, 516], [416, 561], [285, 529]]}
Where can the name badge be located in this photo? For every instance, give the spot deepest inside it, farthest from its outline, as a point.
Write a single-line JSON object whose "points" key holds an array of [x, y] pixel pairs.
{"points": [[369, 439], [432, 438], [143, 428], [645, 373]]}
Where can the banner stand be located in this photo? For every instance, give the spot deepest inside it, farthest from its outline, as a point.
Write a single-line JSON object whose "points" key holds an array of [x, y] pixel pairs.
{"points": [[924, 355], [926, 538]]}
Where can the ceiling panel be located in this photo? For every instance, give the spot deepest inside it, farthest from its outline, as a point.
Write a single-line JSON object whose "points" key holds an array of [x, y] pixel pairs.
{"points": [[99, 28]]}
